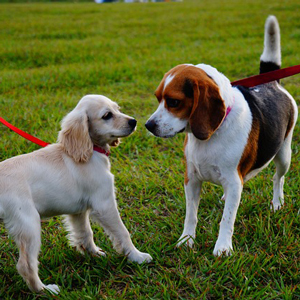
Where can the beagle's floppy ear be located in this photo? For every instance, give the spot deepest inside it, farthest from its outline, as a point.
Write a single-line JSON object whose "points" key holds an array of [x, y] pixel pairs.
{"points": [[74, 136], [208, 109]]}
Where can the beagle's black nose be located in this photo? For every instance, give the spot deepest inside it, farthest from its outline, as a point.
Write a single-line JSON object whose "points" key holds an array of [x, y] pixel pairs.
{"points": [[150, 125], [132, 123]]}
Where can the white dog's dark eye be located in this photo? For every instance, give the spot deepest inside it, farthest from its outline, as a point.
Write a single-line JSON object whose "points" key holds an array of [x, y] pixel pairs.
{"points": [[172, 102], [107, 116]]}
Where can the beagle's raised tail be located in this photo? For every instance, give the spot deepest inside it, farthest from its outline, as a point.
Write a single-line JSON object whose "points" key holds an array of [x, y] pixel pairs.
{"points": [[270, 60]]}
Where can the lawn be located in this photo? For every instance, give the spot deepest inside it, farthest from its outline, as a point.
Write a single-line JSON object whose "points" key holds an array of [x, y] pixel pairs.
{"points": [[51, 54]]}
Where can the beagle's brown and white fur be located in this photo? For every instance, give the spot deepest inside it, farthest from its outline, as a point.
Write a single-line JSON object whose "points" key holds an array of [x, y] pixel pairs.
{"points": [[232, 132]]}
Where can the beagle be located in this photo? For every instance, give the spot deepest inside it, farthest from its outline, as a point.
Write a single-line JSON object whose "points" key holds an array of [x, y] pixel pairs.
{"points": [[232, 133]]}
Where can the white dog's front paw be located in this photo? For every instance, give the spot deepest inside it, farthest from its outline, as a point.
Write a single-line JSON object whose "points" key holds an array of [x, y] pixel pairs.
{"points": [[223, 247], [52, 288], [91, 249], [186, 240], [98, 252], [139, 257]]}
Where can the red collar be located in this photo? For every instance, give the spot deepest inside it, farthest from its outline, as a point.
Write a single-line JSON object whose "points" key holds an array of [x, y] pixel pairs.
{"points": [[101, 150]]}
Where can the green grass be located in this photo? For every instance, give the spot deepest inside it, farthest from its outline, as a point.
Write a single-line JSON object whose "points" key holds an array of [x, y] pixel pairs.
{"points": [[53, 54]]}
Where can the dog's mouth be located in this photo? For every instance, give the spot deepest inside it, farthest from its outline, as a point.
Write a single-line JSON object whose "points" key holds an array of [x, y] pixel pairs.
{"points": [[123, 134], [156, 130], [170, 135], [125, 130]]}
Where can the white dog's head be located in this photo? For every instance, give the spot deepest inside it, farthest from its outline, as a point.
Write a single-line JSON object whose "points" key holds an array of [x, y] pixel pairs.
{"points": [[96, 120]]}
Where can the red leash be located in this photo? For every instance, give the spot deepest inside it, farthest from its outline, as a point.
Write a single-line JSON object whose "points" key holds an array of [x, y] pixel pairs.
{"points": [[267, 77], [39, 142], [25, 135], [247, 82]]}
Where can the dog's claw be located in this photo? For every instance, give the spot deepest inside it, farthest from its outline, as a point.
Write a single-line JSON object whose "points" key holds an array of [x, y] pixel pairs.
{"points": [[186, 240], [99, 252], [223, 248], [52, 288]]}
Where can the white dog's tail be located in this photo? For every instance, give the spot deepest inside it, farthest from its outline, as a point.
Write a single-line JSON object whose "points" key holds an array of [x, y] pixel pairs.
{"points": [[270, 60]]}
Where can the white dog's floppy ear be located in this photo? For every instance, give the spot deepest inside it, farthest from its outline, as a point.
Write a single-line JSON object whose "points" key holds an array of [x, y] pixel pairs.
{"points": [[74, 136], [208, 109]]}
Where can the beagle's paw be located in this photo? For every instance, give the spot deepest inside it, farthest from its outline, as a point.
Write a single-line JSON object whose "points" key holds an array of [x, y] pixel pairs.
{"points": [[186, 240], [223, 247], [276, 204]]}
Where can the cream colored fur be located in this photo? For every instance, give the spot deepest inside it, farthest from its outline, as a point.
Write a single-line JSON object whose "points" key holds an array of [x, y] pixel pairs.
{"points": [[67, 178]]}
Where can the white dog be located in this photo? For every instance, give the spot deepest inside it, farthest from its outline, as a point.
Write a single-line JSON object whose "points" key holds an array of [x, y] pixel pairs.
{"points": [[71, 178]]}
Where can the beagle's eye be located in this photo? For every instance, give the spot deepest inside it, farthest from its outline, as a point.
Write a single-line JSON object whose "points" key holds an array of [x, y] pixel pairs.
{"points": [[172, 102], [107, 116]]}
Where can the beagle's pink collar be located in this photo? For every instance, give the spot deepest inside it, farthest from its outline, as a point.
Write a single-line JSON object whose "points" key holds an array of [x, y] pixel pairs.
{"points": [[229, 108], [101, 150]]}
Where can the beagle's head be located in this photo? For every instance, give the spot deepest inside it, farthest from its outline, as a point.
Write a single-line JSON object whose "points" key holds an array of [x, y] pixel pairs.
{"points": [[189, 100]]}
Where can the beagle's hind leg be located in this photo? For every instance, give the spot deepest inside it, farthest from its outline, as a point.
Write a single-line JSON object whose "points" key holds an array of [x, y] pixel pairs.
{"points": [[282, 162], [81, 234]]}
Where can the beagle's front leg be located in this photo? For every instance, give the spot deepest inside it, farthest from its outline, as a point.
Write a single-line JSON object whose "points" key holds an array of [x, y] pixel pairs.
{"points": [[233, 189], [192, 187]]}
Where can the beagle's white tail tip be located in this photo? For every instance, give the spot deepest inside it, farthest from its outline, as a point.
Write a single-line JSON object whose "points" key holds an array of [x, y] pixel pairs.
{"points": [[271, 58]]}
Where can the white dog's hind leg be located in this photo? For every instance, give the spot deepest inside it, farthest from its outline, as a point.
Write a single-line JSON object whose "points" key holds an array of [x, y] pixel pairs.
{"points": [[26, 231], [81, 234], [108, 216]]}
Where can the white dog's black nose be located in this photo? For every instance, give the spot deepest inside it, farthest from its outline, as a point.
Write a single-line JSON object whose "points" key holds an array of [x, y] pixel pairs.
{"points": [[150, 125], [132, 123]]}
